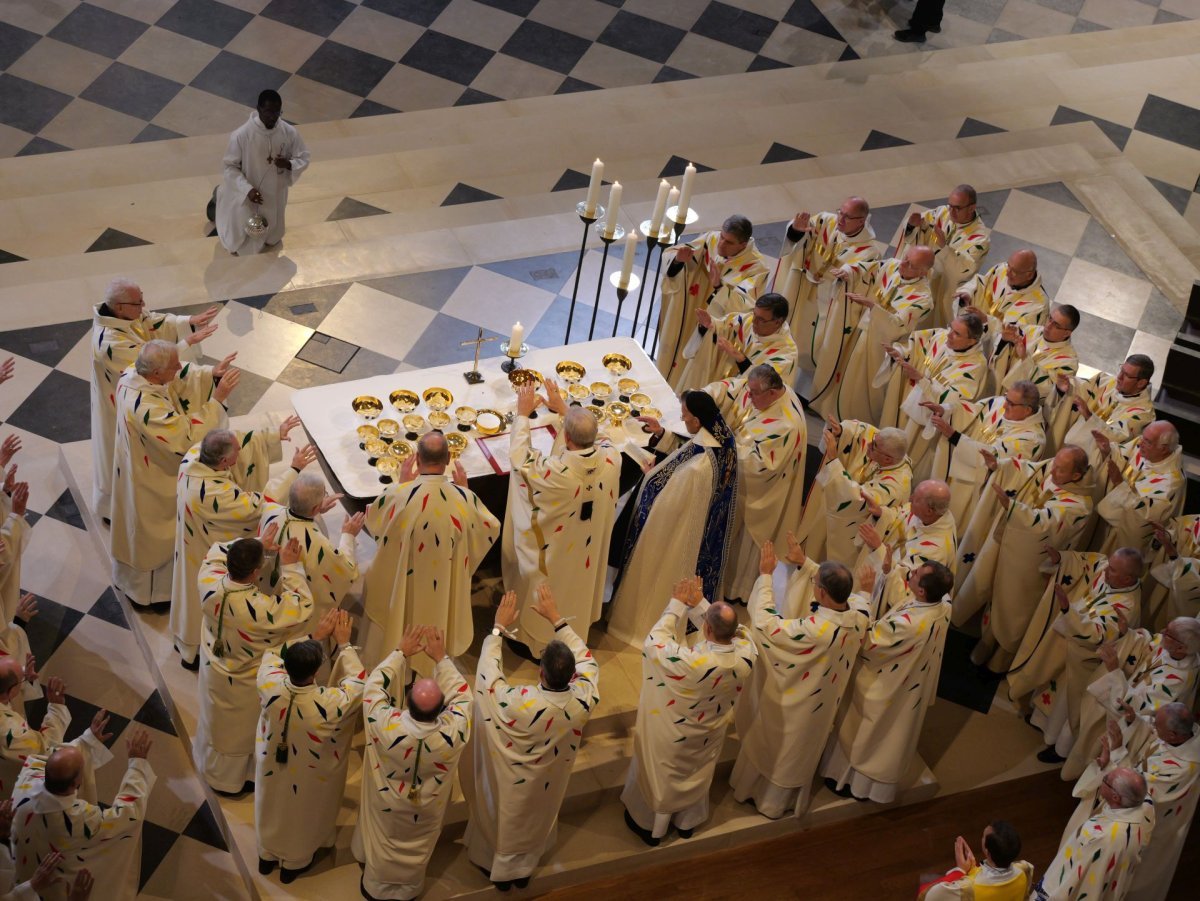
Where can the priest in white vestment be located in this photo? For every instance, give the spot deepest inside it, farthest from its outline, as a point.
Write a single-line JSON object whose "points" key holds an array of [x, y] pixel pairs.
{"points": [[431, 534], [527, 739], [265, 157], [875, 738], [16, 607], [682, 520], [894, 299], [1103, 842], [721, 272], [302, 749], [1179, 570], [1118, 405], [120, 326], [18, 739], [1145, 482], [411, 756], [861, 463], [689, 691], [807, 646], [814, 246], [241, 624], [220, 494], [1042, 354], [961, 241], [1010, 295], [50, 816], [732, 344], [767, 420], [561, 507], [163, 409], [331, 569]]}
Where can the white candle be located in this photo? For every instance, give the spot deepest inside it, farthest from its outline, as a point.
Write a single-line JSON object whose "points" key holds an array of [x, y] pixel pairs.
{"points": [[627, 263], [515, 339], [660, 207], [593, 194], [673, 199], [685, 193], [614, 206]]}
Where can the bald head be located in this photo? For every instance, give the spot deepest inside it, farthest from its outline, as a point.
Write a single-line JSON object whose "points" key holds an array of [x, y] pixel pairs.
{"points": [[433, 453], [930, 500], [1174, 723], [1126, 563], [1158, 441], [579, 428], [64, 770], [11, 676], [1022, 268], [425, 700], [721, 622], [918, 260], [856, 205], [1070, 465]]}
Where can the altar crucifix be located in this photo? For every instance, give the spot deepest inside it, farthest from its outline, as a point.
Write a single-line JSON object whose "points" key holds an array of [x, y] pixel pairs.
{"points": [[474, 377]]}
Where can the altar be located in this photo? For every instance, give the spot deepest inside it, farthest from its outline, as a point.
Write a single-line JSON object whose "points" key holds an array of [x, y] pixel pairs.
{"points": [[332, 423]]}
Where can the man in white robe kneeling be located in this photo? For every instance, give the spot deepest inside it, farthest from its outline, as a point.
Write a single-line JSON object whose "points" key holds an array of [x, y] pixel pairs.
{"points": [[675, 755]]}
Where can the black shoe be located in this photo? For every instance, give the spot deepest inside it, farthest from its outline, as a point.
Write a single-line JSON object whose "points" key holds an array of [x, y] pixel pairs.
{"points": [[936, 29], [843, 792], [909, 36], [287, 877], [685, 833], [194, 666], [1049, 755], [266, 867], [523, 882], [986, 675], [644, 834], [504, 885]]}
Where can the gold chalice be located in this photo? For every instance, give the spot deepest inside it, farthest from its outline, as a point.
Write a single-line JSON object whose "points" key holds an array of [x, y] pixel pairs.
{"points": [[388, 429], [570, 371], [601, 390], [437, 398], [367, 407], [640, 400], [520, 377], [617, 364], [578, 391], [366, 432], [404, 400], [438, 419], [618, 412], [413, 423], [465, 417], [401, 450], [597, 412], [457, 444], [388, 469], [375, 448]]}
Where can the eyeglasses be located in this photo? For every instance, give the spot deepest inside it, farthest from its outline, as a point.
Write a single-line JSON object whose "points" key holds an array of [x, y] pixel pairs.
{"points": [[1017, 403], [842, 215], [959, 208]]}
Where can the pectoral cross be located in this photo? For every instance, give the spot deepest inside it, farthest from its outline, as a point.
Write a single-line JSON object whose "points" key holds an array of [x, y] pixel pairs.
{"points": [[474, 377]]}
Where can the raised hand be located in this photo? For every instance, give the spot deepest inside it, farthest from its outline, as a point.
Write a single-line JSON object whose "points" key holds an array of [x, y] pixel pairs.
{"points": [[865, 577], [329, 502], [435, 643], [9, 449], [352, 525], [684, 254], [873, 506], [766, 558], [914, 219], [989, 459], [202, 319], [10, 479], [268, 538], [870, 536], [225, 387], [225, 366], [342, 627], [1103, 444], [408, 469], [964, 857], [326, 625], [27, 607], [285, 427], [303, 455], [1001, 496], [139, 744], [56, 690], [682, 590], [46, 874], [801, 222], [460, 474], [291, 553], [411, 640], [205, 331], [527, 399], [554, 398], [795, 552], [1107, 653], [545, 605], [20, 498], [1060, 595], [704, 317], [861, 299], [506, 613], [81, 888], [1051, 552], [100, 725], [695, 591], [6, 370]]}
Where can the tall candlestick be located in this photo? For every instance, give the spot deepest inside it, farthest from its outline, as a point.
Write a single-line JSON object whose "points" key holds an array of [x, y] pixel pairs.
{"points": [[614, 207], [631, 238], [593, 193], [685, 193], [515, 339], [660, 207]]}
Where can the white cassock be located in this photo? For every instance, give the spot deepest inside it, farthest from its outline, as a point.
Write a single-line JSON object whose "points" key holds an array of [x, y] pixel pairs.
{"points": [[330, 569], [156, 426], [18, 741], [894, 684], [1147, 493], [526, 741], [1099, 853], [104, 841], [431, 536], [1003, 305], [771, 445], [1043, 363], [956, 261], [14, 534], [296, 802], [711, 364], [116, 343], [561, 508], [247, 165], [805, 663], [1117, 415], [407, 777], [687, 703], [243, 624], [217, 505]]}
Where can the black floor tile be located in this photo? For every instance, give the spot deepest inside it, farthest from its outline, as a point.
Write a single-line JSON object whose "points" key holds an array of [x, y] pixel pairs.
{"points": [[131, 91], [47, 344], [429, 289], [112, 239], [316, 16], [782, 153], [877, 140], [422, 12], [1118, 134], [738, 27], [1160, 317], [349, 208], [66, 510], [470, 97], [516, 7], [571, 180], [238, 79], [306, 306], [82, 712], [958, 682], [6, 257], [59, 409], [447, 57], [972, 128], [1099, 247], [155, 133], [204, 828], [345, 68], [49, 629], [98, 30], [804, 14], [14, 42], [206, 21], [249, 391], [462, 193], [1170, 121], [1176, 196], [109, 609], [670, 73], [574, 86], [441, 343], [763, 63], [371, 108], [41, 145], [327, 352], [676, 165], [1103, 344], [544, 46], [1056, 192], [28, 106], [154, 714], [157, 841], [641, 36]]}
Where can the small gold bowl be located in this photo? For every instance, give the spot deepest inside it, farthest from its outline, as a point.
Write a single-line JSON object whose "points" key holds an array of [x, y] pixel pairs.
{"points": [[577, 391], [640, 400], [438, 419], [618, 412], [617, 364], [601, 389], [489, 422], [437, 398], [388, 469], [404, 400], [628, 386], [375, 448], [366, 432], [388, 428], [655, 412], [465, 415], [570, 371], [367, 407], [414, 422], [401, 450], [519, 377], [457, 444], [597, 412]]}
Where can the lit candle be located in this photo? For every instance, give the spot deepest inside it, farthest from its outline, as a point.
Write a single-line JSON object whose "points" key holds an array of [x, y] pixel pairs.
{"points": [[515, 339], [614, 206], [627, 262], [685, 194], [660, 207], [593, 194]]}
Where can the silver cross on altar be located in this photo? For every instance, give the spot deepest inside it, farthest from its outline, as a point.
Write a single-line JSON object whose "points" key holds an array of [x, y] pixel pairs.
{"points": [[474, 377]]}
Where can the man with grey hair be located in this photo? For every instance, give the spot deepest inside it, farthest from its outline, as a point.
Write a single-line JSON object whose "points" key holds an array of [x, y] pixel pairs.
{"points": [[331, 569], [120, 326], [960, 240], [860, 462], [1103, 841], [1145, 484], [737, 342], [562, 501], [720, 272], [163, 409], [220, 494]]}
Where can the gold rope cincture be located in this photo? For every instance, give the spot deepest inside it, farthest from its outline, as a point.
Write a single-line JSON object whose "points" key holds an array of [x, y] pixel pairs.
{"points": [[220, 648]]}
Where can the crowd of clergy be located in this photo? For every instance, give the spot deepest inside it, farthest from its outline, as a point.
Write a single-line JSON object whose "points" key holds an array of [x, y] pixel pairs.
{"points": [[969, 476]]}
